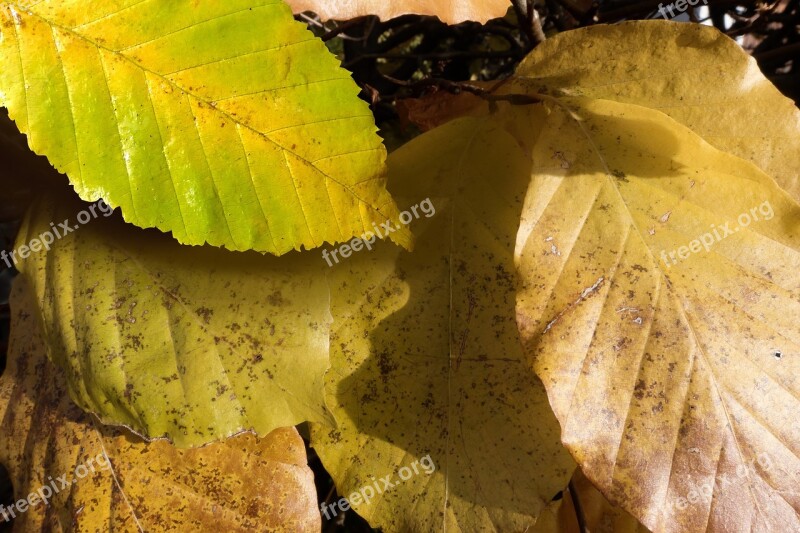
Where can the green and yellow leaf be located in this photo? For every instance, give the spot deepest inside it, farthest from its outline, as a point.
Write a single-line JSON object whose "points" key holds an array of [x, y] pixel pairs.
{"points": [[221, 122], [117, 482], [426, 357], [194, 344]]}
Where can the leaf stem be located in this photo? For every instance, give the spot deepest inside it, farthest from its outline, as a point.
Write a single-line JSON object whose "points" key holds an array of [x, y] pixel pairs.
{"points": [[576, 503]]}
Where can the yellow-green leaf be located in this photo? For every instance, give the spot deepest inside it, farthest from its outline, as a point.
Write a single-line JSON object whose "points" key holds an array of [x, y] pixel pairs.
{"points": [[691, 72], [660, 305], [192, 343], [222, 122], [117, 482], [426, 358]]}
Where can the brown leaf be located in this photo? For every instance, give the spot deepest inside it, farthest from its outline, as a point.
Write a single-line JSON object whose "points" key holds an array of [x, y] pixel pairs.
{"points": [[435, 109], [450, 11]]}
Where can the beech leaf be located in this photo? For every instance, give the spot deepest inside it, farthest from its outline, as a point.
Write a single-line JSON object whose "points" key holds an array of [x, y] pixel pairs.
{"points": [[426, 358], [117, 482], [660, 304], [193, 344], [694, 73], [221, 122]]}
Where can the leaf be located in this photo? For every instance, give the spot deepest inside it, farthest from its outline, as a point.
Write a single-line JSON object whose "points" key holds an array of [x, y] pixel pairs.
{"points": [[426, 358], [673, 380], [435, 109], [124, 484], [195, 344], [222, 122], [448, 11], [599, 515], [695, 74]]}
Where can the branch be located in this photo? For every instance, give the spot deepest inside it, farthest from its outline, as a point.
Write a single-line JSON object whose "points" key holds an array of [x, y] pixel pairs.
{"points": [[437, 55], [455, 87], [337, 32], [529, 20], [784, 53], [576, 503]]}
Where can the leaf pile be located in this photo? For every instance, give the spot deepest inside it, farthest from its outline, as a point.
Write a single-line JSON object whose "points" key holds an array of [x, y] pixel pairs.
{"points": [[609, 277]]}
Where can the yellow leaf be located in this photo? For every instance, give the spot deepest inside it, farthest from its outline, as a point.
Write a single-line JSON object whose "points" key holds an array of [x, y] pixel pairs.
{"points": [[426, 357], [693, 73], [449, 11], [660, 304], [221, 122], [192, 343], [105, 479], [598, 514]]}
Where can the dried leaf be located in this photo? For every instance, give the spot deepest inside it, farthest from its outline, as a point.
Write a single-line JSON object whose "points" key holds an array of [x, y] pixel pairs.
{"points": [[192, 343], [426, 358], [598, 514], [117, 482], [695, 74], [671, 357]]}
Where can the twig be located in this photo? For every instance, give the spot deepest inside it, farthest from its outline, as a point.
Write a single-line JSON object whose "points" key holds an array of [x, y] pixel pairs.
{"points": [[784, 53], [459, 87], [337, 32], [311, 20], [525, 24], [576, 503], [535, 23], [437, 55]]}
